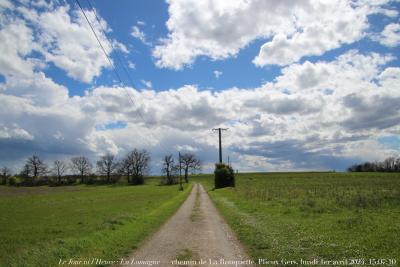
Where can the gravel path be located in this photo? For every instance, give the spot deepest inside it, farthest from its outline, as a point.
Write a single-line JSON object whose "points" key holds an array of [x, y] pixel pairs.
{"points": [[196, 235]]}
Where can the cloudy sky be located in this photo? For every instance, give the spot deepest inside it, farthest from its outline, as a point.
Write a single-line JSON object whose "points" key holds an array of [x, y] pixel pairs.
{"points": [[301, 85]]}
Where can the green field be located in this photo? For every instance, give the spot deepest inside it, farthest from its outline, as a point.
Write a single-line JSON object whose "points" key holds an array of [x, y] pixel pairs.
{"points": [[290, 216], [331, 216], [41, 225]]}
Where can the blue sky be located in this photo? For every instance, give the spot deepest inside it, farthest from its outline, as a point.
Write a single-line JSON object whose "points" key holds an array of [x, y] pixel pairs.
{"points": [[316, 81], [237, 71]]}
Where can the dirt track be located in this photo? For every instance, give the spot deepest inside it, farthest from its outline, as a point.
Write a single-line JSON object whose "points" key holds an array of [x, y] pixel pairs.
{"points": [[196, 235]]}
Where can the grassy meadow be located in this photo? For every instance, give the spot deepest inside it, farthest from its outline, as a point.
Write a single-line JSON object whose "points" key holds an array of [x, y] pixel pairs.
{"points": [[41, 225], [330, 216]]}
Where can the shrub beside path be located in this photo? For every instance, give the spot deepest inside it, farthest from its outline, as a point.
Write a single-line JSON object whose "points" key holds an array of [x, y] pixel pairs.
{"points": [[196, 235]]}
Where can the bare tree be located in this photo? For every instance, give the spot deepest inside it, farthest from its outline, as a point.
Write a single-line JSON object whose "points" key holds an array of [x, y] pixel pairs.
{"points": [[135, 166], [59, 168], [125, 168], [397, 165], [390, 164], [189, 163], [5, 173], [139, 160], [106, 165], [82, 166], [169, 169], [35, 167], [25, 172]]}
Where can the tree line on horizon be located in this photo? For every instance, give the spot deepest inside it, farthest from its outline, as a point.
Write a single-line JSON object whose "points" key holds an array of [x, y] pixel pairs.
{"points": [[390, 164], [133, 167]]}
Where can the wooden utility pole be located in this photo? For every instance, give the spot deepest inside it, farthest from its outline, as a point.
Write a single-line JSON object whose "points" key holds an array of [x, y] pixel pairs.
{"points": [[220, 141], [180, 172]]}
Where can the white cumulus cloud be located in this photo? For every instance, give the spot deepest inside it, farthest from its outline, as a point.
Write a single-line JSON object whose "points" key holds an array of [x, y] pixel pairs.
{"points": [[139, 34], [148, 84], [292, 29], [291, 123], [61, 35], [217, 73], [390, 35]]}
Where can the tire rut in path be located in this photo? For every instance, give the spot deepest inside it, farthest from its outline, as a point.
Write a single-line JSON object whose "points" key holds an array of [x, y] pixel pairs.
{"points": [[195, 232]]}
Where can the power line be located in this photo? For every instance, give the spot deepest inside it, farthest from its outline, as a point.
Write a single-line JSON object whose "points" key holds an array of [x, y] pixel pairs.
{"points": [[98, 40], [110, 61], [110, 45]]}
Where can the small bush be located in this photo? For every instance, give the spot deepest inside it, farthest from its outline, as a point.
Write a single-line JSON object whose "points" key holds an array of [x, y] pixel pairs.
{"points": [[137, 180], [224, 176], [12, 181], [31, 182]]}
